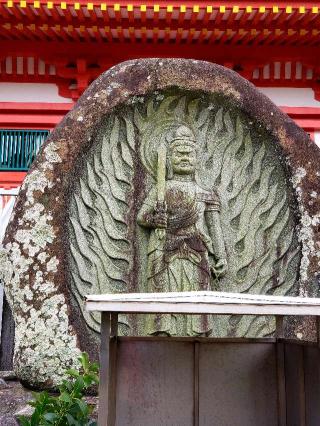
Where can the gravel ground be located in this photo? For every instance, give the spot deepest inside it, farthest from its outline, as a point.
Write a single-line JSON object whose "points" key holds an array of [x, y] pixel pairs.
{"points": [[13, 398]]}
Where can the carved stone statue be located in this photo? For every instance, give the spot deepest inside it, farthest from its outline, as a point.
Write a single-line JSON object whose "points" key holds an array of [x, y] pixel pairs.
{"points": [[186, 249], [123, 198], [145, 214]]}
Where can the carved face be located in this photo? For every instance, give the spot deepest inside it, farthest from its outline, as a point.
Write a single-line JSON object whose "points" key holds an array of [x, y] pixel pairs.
{"points": [[183, 159]]}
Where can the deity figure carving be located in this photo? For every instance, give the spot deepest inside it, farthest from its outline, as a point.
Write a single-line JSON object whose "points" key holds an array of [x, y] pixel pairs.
{"points": [[186, 250], [181, 192]]}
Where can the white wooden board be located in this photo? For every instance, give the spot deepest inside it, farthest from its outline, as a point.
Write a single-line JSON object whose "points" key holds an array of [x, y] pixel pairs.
{"points": [[203, 302]]}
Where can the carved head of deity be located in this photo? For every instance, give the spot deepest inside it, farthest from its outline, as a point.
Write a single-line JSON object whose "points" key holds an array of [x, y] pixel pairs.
{"points": [[182, 151]]}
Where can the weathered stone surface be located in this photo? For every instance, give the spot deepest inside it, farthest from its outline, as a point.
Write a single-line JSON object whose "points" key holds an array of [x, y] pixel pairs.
{"points": [[13, 398], [3, 384], [7, 375], [93, 176]]}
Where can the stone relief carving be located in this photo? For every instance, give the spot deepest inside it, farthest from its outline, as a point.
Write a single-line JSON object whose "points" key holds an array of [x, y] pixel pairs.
{"points": [[101, 251], [183, 192], [186, 248]]}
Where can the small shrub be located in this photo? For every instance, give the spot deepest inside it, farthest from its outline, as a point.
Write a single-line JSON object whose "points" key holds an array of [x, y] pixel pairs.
{"points": [[68, 408]]}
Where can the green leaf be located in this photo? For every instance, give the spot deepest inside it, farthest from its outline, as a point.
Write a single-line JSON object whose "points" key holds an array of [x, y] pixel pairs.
{"points": [[24, 421], [65, 397], [79, 384], [90, 379], [68, 407], [50, 417], [82, 406], [72, 421], [67, 386], [35, 418], [84, 359], [73, 373], [94, 367]]}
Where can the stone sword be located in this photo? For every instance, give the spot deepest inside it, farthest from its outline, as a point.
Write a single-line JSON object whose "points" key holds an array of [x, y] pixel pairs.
{"points": [[161, 185]]}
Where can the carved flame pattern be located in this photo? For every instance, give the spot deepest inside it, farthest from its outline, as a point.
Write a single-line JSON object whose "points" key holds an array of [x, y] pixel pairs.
{"points": [[101, 253], [257, 213]]}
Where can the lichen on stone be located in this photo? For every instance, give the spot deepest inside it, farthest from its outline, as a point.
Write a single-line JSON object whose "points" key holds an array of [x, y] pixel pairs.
{"points": [[45, 343], [136, 99], [306, 232], [52, 265], [297, 177], [35, 181], [51, 154]]}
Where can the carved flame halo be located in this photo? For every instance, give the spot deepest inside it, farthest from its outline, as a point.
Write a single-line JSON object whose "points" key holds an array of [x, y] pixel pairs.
{"points": [[257, 220], [158, 128], [161, 134]]}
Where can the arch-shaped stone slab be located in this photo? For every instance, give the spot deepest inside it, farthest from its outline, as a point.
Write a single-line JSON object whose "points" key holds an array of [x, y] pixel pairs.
{"points": [[37, 259]]}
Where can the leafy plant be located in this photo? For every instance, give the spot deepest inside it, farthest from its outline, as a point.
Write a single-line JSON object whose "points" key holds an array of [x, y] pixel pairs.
{"points": [[69, 407]]}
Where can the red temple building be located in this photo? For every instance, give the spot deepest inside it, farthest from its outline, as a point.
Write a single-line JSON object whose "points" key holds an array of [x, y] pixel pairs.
{"points": [[50, 51]]}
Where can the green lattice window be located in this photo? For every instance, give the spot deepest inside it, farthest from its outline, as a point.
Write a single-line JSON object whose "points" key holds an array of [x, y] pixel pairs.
{"points": [[18, 148]]}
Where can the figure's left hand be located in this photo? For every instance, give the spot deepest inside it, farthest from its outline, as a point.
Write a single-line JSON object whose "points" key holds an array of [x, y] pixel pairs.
{"points": [[220, 268]]}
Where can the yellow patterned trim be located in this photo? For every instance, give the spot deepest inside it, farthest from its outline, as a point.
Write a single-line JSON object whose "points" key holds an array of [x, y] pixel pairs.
{"points": [[169, 8]]}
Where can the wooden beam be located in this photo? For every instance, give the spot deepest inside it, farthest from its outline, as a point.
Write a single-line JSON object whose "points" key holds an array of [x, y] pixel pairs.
{"points": [[11, 180], [279, 327], [281, 382], [203, 302], [104, 391], [196, 384], [115, 54], [28, 115], [108, 377]]}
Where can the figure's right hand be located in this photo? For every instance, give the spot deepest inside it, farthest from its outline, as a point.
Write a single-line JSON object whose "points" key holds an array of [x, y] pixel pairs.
{"points": [[160, 217]]}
